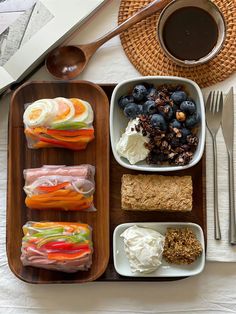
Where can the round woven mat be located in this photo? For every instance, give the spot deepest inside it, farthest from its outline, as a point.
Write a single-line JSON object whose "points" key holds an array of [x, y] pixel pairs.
{"points": [[142, 48]]}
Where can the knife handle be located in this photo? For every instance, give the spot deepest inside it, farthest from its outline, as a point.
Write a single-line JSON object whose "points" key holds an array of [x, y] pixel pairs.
{"points": [[232, 224]]}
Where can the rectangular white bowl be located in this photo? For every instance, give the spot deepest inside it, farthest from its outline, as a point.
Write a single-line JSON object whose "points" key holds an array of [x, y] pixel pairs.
{"points": [[121, 262], [118, 121]]}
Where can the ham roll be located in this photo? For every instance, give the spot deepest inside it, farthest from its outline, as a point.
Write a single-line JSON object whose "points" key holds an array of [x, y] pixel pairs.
{"points": [[61, 246], [60, 187]]}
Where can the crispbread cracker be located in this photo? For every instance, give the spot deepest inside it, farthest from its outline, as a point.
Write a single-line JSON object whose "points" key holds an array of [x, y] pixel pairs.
{"points": [[154, 192]]}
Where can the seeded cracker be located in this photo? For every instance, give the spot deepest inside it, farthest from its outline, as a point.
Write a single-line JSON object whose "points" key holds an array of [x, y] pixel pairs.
{"points": [[181, 246], [154, 192]]}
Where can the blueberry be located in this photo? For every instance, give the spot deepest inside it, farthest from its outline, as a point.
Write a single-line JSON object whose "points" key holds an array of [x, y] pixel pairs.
{"points": [[188, 106], [185, 132], [176, 124], [152, 94], [139, 92], [166, 111], [140, 109], [158, 121], [149, 107], [125, 100], [132, 110], [178, 97], [192, 121]]}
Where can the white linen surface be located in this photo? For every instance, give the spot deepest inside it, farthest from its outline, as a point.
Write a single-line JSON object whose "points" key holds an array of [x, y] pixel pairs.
{"points": [[219, 250], [213, 291]]}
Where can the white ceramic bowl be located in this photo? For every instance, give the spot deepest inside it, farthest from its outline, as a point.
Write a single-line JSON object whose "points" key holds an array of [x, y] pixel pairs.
{"points": [[118, 121], [121, 262]]}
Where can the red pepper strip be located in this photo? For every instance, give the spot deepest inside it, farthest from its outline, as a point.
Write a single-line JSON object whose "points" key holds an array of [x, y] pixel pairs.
{"points": [[81, 132], [77, 146], [52, 188], [69, 256], [64, 246]]}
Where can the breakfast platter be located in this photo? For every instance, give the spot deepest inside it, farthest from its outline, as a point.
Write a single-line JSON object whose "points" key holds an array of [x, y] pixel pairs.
{"points": [[109, 213], [109, 183]]}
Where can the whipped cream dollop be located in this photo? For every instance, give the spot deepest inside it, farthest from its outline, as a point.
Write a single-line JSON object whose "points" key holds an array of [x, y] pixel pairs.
{"points": [[143, 248], [131, 144]]}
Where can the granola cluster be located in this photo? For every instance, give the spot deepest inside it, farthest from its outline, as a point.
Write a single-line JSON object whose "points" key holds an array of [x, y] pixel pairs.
{"points": [[181, 246], [171, 146]]}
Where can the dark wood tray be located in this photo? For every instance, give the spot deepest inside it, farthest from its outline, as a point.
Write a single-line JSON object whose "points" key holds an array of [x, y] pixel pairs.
{"points": [[117, 216], [20, 157]]}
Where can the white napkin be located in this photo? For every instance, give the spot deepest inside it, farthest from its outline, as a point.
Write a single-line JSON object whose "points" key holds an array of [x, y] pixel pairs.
{"points": [[219, 250]]}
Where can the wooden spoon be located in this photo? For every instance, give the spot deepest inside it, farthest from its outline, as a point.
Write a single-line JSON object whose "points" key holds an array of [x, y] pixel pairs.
{"points": [[67, 62]]}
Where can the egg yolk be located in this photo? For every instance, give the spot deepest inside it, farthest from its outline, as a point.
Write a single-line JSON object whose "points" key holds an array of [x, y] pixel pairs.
{"points": [[63, 110], [35, 113], [79, 106]]}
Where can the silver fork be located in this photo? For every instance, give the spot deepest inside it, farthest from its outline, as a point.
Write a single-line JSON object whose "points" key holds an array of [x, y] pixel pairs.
{"points": [[214, 107]]}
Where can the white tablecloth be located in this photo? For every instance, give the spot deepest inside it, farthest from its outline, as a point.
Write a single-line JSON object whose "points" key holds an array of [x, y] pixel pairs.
{"points": [[211, 292]]}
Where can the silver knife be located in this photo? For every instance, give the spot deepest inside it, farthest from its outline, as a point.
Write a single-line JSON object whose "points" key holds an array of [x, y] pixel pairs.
{"points": [[228, 132]]}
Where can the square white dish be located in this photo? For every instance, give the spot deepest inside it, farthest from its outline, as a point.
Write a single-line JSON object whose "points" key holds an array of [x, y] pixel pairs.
{"points": [[118, 121], [121, 262]]}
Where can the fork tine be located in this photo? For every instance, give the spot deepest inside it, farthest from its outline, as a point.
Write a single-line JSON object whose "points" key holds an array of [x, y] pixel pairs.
{"points": [[217, 101], [221, 102], [212, 106], [208, 102]]}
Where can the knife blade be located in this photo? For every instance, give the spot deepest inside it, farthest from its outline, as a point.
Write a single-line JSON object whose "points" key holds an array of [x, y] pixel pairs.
{"points": [[228, 119], [228, 133]]}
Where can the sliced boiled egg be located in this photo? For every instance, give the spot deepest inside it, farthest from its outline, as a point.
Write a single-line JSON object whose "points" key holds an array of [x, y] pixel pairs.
{"points": [[83, 111], [40, 113], [65, 110]]}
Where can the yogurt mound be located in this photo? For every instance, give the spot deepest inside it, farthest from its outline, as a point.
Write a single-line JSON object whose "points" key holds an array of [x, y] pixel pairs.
{"points": [[131, 144], [143, 248]]}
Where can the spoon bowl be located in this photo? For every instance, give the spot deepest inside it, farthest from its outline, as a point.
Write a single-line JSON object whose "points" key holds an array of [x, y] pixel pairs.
{"points": [[67, 62]]}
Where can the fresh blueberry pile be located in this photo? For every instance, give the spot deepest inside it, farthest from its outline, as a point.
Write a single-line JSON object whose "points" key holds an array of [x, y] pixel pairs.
{"points": [[168, 117]]}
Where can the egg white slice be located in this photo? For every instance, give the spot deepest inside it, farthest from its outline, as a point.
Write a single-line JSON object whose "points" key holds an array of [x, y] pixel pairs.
{"points": [[87, 114], [90, 117], [65, 111], [40, 113]]}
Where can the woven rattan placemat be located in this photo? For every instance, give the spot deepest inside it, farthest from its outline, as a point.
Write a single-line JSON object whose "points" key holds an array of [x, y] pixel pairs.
{"points": [[143, 50]]}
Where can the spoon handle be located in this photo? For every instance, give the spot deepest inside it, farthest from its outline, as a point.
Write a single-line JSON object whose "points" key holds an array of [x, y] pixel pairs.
{"points": [[137, 17]]}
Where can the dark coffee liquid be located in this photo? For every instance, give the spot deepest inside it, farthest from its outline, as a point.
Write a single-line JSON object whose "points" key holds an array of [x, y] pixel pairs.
{"points": [[190, 33]]}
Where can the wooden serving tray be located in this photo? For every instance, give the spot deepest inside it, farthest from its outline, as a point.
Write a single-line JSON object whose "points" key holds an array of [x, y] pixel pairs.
{"points": [[28, 158], [20, 158]]}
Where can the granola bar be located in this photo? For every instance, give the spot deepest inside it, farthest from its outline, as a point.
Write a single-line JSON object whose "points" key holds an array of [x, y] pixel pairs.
{"points": [[154, 192]]}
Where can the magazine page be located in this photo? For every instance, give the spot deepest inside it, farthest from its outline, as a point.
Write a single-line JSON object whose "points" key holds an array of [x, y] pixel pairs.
{"points": [[5, 78], [32, 28]]}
